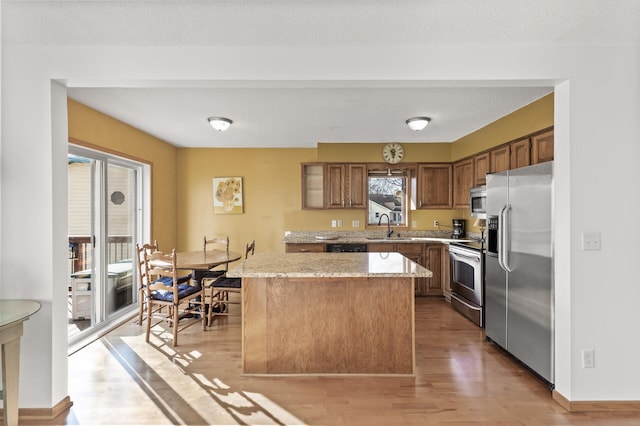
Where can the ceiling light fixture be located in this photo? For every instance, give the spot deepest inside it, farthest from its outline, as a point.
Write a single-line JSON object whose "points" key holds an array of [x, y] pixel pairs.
{"points": [[418, 123], [220, 123]]}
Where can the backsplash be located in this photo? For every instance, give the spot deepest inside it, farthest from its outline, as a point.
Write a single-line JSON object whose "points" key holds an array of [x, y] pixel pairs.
{"points": [[302, 235]]}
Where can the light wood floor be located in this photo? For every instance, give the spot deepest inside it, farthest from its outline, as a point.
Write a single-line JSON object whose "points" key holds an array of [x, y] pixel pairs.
{"points": [[461, 379]]}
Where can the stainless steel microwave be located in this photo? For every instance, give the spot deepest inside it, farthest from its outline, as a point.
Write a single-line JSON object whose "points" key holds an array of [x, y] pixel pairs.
{"points": [[478, 202]]}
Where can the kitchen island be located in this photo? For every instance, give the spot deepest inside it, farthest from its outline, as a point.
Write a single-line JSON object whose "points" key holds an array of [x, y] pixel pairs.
{"points": [[328, 313]]}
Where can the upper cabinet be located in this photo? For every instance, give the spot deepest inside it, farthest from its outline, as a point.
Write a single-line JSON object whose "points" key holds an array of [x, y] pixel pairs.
{"points": [[313, 185], [356, 186], [542, 147], [499, 159], [346, 186], [437, 185], [462, 182], [434, 186], [334, 186], [520, 153], [481, 163]]}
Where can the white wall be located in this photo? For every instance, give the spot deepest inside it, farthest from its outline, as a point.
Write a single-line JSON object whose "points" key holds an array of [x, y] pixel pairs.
{"points": [[596, 172]]}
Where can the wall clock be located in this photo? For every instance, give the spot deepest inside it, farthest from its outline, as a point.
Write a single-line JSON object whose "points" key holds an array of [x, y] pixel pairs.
{"points": [[392, 153]]}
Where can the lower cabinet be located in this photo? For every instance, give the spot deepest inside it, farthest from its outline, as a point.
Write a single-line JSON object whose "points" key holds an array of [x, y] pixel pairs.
{"points": [[431, 256], [305, 248], [446, 273], [434, 257]]}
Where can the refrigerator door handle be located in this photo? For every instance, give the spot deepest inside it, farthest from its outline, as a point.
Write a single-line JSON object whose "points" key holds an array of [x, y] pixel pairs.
{"points": [[500, 239], [503, 233]]}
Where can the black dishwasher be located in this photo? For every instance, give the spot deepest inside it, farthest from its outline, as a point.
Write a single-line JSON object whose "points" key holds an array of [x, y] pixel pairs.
{"points": [[346, 248]]}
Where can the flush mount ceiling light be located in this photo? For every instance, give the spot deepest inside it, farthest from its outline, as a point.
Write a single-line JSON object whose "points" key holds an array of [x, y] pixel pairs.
{"points": [[219, 123], [418, 123]]}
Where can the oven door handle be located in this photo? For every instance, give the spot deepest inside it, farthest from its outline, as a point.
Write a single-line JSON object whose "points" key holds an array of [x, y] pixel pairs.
{"points": [[466, 256]]}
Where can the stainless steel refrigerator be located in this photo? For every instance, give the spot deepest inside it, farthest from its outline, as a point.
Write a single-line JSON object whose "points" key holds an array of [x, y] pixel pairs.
{"points": [[519, 299]]}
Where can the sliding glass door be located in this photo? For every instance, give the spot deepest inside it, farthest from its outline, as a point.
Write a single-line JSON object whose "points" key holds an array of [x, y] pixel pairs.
{"points": [[106, 220]]}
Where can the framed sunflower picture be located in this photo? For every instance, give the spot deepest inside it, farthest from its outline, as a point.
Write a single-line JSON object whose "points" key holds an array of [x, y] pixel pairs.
{"points": [[227, 195]]}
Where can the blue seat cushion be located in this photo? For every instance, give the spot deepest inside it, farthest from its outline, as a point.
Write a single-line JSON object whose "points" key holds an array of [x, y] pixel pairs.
{"points": [[213, 274], [184, 290], [169, 281], [226, 282]]}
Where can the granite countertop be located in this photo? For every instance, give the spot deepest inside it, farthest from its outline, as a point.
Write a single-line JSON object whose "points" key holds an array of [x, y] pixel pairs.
{"points": [[299, 265], [364, 237]]}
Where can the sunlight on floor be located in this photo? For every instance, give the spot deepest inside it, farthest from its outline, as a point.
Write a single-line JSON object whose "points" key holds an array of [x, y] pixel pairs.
{"points": [[155, 375]]}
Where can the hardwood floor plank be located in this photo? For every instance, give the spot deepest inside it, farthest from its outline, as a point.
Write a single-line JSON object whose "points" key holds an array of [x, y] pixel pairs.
{"points": [[461, 379]]}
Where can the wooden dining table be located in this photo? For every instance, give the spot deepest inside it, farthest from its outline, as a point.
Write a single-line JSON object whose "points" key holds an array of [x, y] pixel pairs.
{"points": [[200, 261]]}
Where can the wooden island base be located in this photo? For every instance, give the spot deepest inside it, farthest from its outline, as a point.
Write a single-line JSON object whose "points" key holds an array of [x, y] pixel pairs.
{"points": [[328, 326]]}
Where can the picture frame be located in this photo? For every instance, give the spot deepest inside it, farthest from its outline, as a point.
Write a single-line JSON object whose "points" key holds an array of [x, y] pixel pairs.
{"points": [[227, 195]]}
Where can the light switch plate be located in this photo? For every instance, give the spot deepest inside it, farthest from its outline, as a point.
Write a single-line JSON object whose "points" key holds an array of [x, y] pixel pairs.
{"points": [[355, 224], [591, 241]]}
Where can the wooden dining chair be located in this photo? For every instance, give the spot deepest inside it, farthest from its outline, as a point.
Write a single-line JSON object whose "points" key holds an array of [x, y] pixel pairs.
{"points": [[217, 290], [221, 243], [147, 248], [183, 300], [143, 278]]}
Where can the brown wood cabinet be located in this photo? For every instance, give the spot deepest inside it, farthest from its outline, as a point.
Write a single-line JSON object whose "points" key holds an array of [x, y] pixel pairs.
{"points": [[431, 256], [542, 147], [446, 273], [305, 248], [520, 153], [357, 184], [462, 183], [434, 186], [500, 159], [481, 166], [335, 186], [313, 185], [346, 186], [434, 259], [438, 185], [412, 251]]}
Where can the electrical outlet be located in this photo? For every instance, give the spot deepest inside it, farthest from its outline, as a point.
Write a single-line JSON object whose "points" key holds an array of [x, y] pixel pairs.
{"points": [[339, 223], [591, 241], [436, 223], [355, 224], [334, 223], [588, 358], [414, 224]]}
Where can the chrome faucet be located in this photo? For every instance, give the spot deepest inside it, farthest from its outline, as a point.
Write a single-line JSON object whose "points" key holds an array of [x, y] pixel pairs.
{"points": [[389, 230]]}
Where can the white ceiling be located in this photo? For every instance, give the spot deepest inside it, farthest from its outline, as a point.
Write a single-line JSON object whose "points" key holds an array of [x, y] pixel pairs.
{"points": [[287, 114]]}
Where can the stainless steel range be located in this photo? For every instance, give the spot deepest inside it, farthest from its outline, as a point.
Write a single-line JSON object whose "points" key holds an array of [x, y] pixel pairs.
{"points": [[467, 280]]}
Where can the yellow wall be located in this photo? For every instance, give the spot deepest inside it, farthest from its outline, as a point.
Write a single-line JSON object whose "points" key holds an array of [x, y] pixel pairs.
{"points": [[92, 129], [536, 116], [271, 178], [271, 195]]}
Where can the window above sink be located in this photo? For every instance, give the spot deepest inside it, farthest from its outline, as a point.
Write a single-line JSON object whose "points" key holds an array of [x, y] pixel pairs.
{"points": [[388, 196]]}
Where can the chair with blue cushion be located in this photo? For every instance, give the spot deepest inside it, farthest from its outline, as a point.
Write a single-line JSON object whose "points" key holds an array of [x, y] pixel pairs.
{"points": [[165, 289], [221, 243], [217, 290], [148, 248], [142, 275]]}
